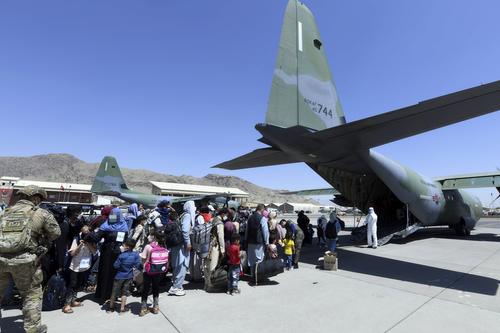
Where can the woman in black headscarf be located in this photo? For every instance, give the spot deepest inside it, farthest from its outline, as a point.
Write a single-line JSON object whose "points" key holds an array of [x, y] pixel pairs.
{"points": [[114, 231]]}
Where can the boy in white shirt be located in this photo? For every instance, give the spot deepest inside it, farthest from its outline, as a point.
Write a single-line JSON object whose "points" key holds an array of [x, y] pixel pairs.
{"points": [[81, 251]]}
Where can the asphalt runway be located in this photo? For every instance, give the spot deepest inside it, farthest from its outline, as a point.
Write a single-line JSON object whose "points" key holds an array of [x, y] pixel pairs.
{"points": [[431, 281]]}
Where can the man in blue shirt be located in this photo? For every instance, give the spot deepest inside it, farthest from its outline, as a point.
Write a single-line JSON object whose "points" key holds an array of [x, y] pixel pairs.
{"points": [[124, 264]]}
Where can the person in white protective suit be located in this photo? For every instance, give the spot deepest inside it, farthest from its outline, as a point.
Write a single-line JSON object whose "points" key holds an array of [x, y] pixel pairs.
{"points": [[371, 230]]}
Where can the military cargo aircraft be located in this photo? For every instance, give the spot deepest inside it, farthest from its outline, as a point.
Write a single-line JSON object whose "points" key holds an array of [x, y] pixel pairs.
{"points": [[109, 181], [305, 122]]}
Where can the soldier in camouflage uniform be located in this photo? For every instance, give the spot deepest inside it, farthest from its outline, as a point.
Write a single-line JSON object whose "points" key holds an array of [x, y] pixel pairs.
{"points": [[24, 267]]}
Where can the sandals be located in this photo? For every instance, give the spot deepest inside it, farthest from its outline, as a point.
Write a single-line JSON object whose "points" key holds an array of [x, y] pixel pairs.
{"points": [[67, 309], [125, 310], [76, 304]]}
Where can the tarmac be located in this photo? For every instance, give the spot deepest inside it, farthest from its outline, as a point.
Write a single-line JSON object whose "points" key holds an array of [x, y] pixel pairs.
{"points": [[432, 281]]}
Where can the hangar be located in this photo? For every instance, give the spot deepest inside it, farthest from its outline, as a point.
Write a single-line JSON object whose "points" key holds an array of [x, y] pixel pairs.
{"points": [[187, 190]]}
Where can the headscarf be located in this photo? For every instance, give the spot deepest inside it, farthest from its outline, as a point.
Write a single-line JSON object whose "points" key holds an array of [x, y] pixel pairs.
{"points": [[96, 223], [119, 226], [133, 211], [333, 216], [265, 213], [190, 208], [164, 214]]}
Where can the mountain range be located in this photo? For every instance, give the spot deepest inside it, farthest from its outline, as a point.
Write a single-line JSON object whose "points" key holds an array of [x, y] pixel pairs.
{"points": [[69, 169]]}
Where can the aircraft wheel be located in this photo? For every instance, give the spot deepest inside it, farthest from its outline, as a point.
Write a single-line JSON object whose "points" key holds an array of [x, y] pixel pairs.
{"points": [[460, 229]]}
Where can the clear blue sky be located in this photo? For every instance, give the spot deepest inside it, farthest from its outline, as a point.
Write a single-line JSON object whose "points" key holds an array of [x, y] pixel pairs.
{"points": [[177, 86]]}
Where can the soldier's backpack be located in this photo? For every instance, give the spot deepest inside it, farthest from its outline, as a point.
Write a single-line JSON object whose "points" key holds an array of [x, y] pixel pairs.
{"points": [[200, 238], [173, 233], [15, 231], [331, 230]]}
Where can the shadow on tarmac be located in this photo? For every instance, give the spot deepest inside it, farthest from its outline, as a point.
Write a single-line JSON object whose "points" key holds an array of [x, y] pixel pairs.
{"points": [[12, 324], [446, 233], [370, 264], [416, 273]]}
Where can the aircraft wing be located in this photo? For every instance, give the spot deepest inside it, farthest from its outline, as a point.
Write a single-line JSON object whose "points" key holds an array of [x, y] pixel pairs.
{"points": [[422, 117], [318, 191], [257, 158], [478, 180]]}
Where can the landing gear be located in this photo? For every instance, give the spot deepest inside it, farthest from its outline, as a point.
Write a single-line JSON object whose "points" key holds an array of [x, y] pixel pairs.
{"points": [[461, 229]]}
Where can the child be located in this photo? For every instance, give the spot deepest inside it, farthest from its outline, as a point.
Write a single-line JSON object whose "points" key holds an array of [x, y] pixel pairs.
{"points": [[81, 251], [152, 253], [126, 262], [233, 261], [272, 250], [288, 249]]}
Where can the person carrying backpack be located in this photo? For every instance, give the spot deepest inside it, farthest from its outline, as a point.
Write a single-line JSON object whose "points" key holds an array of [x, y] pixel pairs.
{"points": [[332, 229], [257, 237], [155, 259], [180, 253], [164, 209], [24, 231], [216, 251], [321, 225], [230, 227]]}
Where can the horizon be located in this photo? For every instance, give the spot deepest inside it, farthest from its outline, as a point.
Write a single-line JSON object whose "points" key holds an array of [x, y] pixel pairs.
{"points": [[141, 82]]}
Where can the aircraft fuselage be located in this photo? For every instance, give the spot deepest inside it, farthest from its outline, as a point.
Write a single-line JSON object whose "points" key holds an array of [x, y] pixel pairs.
{"points": [[425, 198]]}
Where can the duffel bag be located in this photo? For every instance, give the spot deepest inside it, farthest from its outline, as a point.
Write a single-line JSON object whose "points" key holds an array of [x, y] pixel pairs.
{"points": [[268, 268], [218, 278]]}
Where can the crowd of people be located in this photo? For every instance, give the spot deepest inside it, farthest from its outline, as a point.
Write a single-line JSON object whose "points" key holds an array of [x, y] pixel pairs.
{"points": [[114, 253], [118, 252]]}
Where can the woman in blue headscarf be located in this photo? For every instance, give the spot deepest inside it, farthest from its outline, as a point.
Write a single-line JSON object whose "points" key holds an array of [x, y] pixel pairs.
{"points": [[132, 214], [114, 231]]}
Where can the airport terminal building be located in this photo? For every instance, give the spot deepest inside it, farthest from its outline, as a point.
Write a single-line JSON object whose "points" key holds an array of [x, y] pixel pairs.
{"points": [[56, 191]]}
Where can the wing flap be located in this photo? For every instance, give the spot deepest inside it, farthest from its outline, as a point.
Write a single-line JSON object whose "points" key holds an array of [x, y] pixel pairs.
{"points": [[257, 158]]}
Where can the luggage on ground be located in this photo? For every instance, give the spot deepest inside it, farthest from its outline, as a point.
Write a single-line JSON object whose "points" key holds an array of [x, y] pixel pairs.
{"points": [[218, 278], [268, 268], [54, 294]]}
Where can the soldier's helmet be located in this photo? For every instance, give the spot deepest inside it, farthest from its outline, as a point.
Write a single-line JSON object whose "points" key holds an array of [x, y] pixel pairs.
{"points": [[32, 190]]}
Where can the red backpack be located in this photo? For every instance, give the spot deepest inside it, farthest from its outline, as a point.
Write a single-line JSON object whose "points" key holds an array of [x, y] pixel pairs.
{"points": [[158, 260]]}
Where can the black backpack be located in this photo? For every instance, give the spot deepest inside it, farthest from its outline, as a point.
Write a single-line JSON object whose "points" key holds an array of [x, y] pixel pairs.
{"points": [[331, 230], [54, 293], [173, 234]]}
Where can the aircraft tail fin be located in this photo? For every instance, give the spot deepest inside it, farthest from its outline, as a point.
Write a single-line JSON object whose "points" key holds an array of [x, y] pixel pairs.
{"points": [[109, 179], [303, 92]]}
